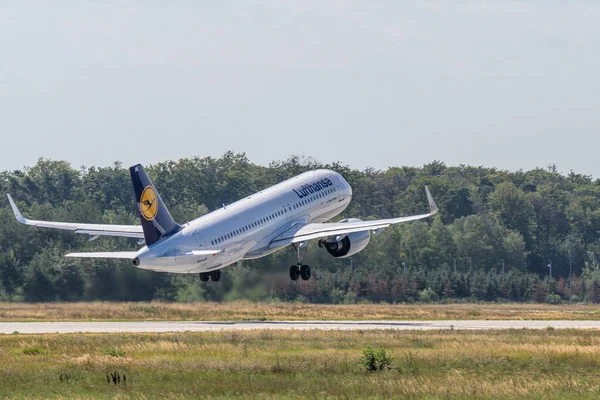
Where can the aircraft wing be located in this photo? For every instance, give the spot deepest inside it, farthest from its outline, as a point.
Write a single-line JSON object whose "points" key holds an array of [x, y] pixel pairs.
{"points": [[94, 230], [323, 230]]}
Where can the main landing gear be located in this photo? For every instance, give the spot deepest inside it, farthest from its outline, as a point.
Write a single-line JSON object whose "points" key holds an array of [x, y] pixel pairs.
{"points": [[213, 275], [300, 270]]}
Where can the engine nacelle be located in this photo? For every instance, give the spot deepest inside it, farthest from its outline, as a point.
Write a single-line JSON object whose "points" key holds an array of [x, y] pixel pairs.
{"points": [[351, 244]]}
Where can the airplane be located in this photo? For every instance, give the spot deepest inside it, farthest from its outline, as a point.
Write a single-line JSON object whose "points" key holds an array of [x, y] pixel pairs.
{"points": [[293, 212]]}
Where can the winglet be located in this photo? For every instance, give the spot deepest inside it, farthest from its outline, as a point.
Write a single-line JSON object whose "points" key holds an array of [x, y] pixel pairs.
{"points": [[433, 208], [15, 209]]}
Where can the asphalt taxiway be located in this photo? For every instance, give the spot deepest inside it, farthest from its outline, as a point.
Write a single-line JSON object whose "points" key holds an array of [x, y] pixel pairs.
{"points": [[208, 326]]}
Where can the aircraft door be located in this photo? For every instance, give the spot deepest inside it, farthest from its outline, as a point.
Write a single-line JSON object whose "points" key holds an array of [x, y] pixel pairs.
{"points": [[201, 244], [340, 190], [199, 239]]}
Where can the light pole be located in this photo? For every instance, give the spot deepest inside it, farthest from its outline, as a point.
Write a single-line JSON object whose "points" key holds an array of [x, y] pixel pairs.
{"points": [[404, 265], [550, 267], [502, 266]]}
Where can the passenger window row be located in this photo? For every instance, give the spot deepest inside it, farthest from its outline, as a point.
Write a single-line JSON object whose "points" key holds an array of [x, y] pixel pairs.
{"points": [[270, 217], [248, 227]]}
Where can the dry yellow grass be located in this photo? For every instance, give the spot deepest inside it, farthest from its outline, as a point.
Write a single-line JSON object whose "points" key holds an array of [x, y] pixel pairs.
{"points": [[513, 364], [290, 311]]}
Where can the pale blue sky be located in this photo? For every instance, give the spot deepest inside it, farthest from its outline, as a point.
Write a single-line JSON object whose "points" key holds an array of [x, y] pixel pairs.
{"points": [[511, 84]]}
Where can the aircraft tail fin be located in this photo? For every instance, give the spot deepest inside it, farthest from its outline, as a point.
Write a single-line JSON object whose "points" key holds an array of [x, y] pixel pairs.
{"points": [[156, 219]]}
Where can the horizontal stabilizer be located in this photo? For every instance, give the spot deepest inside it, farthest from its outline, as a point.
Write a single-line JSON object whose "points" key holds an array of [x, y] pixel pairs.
{"points": [[109, 254]]}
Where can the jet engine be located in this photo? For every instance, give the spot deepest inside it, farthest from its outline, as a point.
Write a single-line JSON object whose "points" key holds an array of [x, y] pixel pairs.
{"points": [[351, 244]]}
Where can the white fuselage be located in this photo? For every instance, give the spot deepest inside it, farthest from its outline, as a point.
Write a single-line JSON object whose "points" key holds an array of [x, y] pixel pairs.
{"points": [[246, 228]]}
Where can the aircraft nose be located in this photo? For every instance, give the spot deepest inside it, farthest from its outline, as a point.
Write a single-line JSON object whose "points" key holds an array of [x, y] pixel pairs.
{"points": [[346, 186]]}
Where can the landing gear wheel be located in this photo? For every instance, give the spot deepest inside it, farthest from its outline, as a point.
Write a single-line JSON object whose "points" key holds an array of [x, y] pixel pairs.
{"points": [[300, 270], [204, 276], [305, 272], [215, 275], [294, 272]]}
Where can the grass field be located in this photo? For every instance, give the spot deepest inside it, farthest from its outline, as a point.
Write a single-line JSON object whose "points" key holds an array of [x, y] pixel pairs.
{"points": [[237, 311], [548, 364]]}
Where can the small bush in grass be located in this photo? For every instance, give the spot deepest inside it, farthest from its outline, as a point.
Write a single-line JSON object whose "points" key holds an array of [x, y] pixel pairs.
{"points": [[553, 299], [422, 343], [113, 352], [375, 359], [301, 299], [34, 351], [350, 297], [411, 365], [426, 295], [143, 309]]}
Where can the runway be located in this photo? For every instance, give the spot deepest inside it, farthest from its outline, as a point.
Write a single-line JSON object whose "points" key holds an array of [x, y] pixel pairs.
{"points": [[216, 326]]}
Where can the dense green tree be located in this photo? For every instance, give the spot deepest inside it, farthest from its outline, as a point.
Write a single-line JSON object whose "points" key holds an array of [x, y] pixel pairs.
{"points": [[524, 219], [513, 208]]}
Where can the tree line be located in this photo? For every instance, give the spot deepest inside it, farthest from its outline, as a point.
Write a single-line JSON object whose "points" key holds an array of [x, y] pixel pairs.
{"points": [[494, 239]]}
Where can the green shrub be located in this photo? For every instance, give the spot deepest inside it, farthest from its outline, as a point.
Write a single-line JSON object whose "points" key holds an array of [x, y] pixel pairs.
{"points": [[375, 359], [350, 297], [422, 343], [113, 352], [426, 295], [411, 365], [553, 299], [34, 351], [143, 309], [336, 296]]}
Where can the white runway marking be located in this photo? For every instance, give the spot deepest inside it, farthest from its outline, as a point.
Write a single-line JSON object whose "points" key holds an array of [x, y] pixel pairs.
{"points": [[207, 326]]}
